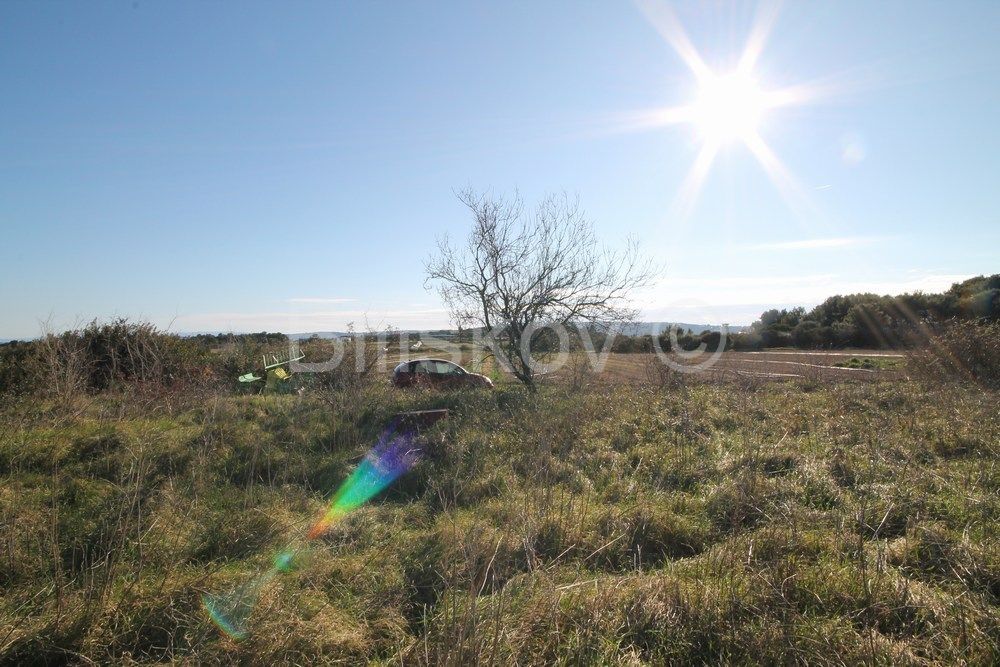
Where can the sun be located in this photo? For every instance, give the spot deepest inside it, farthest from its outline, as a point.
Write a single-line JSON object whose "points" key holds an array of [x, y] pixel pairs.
{"points": [[728, 108]]}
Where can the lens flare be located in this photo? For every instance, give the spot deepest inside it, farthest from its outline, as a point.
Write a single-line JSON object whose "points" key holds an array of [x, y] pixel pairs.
{"points": [[231, 611], [394, 455], [379, 469]]}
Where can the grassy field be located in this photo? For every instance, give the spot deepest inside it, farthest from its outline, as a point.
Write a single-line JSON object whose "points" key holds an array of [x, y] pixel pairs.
{"points": [[834, 523], [788, 521]]}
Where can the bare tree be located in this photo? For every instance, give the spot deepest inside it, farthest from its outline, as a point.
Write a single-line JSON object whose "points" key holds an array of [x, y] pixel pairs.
{"points": [[520, 273]]}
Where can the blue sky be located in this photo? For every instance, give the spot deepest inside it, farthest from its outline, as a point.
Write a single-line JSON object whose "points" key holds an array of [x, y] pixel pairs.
{"points": [[287, 166]]}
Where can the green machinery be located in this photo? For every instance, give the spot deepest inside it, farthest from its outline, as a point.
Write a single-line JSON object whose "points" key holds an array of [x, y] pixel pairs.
{"points": [[276, 375]]}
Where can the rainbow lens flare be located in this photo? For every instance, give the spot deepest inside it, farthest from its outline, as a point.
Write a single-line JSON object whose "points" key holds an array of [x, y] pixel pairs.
{"points": [[230, 612], [394, 455], [379, 469]]}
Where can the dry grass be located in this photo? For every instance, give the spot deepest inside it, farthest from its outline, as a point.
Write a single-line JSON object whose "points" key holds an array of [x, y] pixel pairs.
{"points": [[665, 522]]}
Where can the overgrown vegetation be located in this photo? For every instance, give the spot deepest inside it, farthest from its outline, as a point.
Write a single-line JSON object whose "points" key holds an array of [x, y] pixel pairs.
{"points": [[122, 354], [701, 523], [855, 320]]}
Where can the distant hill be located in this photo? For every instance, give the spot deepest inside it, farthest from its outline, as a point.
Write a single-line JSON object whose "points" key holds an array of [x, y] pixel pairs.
{"points": [[635, 329]]}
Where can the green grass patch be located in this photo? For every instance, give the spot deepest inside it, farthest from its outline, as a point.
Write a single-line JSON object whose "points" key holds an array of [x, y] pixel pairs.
{"points": [[871, 363]]}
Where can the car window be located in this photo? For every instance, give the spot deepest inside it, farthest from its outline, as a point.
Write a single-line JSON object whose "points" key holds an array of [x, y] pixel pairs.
{"points": [[422, 367], [447, 368]]}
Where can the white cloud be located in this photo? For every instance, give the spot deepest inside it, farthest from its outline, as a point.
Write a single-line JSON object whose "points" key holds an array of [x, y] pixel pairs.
{"points": [[816, 244]]}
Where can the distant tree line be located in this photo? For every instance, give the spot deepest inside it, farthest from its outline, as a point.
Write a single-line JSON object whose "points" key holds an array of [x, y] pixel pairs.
{"points": [[853, 320], [262, 338], [871, 320]]}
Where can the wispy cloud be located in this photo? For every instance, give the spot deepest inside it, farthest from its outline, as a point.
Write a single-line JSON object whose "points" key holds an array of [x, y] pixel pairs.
{"points": [[690, 285], [320, 299], [299, 322], [740, 299], [817, 244]]}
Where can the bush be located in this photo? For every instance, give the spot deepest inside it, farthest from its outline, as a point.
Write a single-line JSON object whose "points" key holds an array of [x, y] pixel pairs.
{"points": [[961, 350], [18, 367], [104, 356], [100, 356]]}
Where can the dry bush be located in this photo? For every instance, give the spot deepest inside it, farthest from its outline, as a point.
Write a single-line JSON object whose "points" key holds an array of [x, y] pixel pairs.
{"points": [[62, 366], [347, 374], [747, 382], [963, 350], [661, 376], [101, 356], [581, 373]]}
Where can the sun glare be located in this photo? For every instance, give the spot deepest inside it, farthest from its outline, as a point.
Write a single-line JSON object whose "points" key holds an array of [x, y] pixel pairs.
{"points": [[728, 108]]}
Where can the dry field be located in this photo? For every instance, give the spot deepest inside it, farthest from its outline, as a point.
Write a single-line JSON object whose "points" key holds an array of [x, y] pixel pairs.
{"points": [[769, 365], [779, 364]]}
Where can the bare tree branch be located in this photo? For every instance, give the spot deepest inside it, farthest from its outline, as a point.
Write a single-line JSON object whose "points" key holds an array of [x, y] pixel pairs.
{"points": [[540, 269]]}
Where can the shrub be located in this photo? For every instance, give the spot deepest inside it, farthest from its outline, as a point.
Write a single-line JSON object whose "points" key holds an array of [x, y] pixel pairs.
{"points": [[104, 355], [964, 350], [18, 367]]}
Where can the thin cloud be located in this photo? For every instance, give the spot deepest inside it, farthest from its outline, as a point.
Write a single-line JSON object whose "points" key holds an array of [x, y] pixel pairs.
{"points": [[683, 284], [320, 299], [300, 322], [816, 244], [741, 300]]}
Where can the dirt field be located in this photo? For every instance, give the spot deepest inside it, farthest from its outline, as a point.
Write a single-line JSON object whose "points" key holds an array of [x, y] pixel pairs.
{"points": [[768, 365]]}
